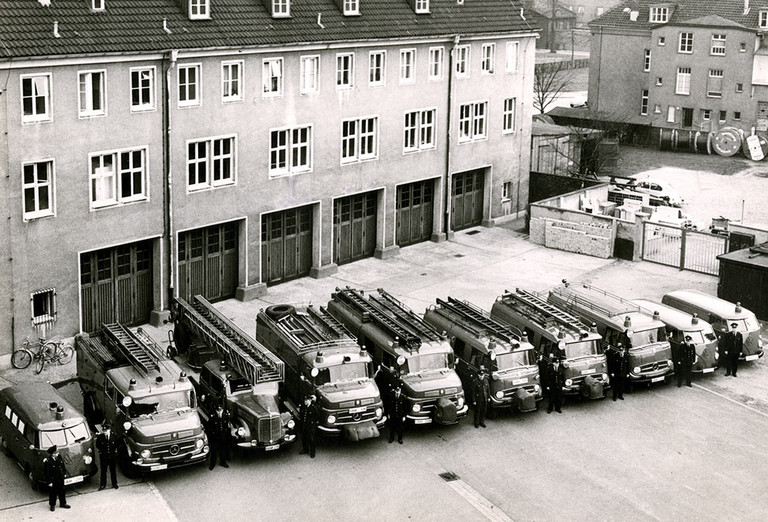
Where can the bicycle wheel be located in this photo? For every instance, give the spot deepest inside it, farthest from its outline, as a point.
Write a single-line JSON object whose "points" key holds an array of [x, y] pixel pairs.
{"points": [[65, 353], [40, 360], [21, 358]]}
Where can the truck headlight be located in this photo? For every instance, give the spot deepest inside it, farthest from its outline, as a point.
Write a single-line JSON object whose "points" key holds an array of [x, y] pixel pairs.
{"points": [[291, 424], [536, 388], [605, 377], [717, 356], [241, 432], [87, 459], [145, 454], [460, 402], [416, 408], [499, 394], [127, 426], [199, 443], [569, 382], [331, 419], [636, 369], [379, 413]]}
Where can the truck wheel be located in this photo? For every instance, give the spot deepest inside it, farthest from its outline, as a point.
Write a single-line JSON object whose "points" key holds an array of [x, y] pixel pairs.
{"points": [[31, 477], [277, 312], [3, 445]]}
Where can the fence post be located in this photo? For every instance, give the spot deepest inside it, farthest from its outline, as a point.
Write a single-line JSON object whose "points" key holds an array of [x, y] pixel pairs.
{"points": [[682, 249]]}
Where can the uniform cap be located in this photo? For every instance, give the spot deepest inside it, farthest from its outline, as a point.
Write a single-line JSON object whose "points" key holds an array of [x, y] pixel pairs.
{"points": [[52, 449], [734, 325]]}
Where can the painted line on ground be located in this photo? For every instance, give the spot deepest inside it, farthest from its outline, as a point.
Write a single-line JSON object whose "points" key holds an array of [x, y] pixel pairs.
{"points": [[713, 392], [479, 502], [156, 492]]}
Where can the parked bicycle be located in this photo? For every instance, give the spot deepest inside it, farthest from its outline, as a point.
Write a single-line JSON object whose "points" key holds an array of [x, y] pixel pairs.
{"points": [[43, 351]]}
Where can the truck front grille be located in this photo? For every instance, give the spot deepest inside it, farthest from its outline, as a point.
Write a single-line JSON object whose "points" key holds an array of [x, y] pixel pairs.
{"points": [[170, 451], [270, 429]]}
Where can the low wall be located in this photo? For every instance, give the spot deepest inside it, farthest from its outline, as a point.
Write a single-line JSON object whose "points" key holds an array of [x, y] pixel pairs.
{"points": [[760, 231], [543, 187], [581, 238]]}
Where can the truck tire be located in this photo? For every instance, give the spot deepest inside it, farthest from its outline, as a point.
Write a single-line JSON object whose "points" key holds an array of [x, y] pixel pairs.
{"points": [[31, 477], [277, 312]]}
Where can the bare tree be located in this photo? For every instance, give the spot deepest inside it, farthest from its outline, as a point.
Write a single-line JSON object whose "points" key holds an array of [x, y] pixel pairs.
{"points": [[549, 80]]}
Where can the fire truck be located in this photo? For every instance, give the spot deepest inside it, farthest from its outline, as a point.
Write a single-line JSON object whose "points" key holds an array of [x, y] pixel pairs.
{"points": [[245, 377], [406, 351], [323, 359], [127, 380], [478, 339], [556, 334], [620, 320]]}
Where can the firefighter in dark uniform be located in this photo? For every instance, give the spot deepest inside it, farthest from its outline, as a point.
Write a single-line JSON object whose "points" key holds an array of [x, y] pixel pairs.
{"points": [[54, 470], [218, 437], [398, 409], [481, 394], [106, 443], [734, 343], [309, 417], [556, 381], [619, 368], [687, 356]]}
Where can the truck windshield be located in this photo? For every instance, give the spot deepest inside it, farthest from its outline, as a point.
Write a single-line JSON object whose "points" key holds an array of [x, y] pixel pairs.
{"points": [[745, 325], [580, 349], [432, 361], [64, 437], [177, 400], [702, 337], [239, 384], [506, 361], [342, 372], [646, 337]]}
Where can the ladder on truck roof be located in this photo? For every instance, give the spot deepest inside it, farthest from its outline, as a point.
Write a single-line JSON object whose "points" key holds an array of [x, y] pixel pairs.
{"points": [[312, 332], [538, 310], [249, 358], [354, 298], [608, 310], [406, 315], [140, 355], [472, 313]]}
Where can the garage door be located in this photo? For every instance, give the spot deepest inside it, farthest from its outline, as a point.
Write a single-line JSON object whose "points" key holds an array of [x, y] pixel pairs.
{"points": [[466, 199], [116, 285], [354, 227], [208, 262], [286, 245], [414, 212]]}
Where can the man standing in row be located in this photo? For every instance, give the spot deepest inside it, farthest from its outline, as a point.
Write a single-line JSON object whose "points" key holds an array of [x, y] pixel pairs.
{"points": [[309, 417], [54, 471], [398, 409], [618, 366], [733, 343], [106, 443], [556, 381], [218, 437], [686, 358], [481, 394]]}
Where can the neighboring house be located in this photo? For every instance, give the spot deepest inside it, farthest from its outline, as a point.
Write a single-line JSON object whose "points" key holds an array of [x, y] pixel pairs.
{"points": [[588, 10], [689, 64], [556, 23], [214, 147]]}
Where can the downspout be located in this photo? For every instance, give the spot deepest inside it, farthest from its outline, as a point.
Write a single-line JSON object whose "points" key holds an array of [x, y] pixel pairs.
{"points": [[596, 108], [448, 141], [9, 201], [169, 63]]}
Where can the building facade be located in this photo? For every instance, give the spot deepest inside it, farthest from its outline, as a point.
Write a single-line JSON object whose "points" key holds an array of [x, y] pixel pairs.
{"points": [[699, 66], [217, 147]]}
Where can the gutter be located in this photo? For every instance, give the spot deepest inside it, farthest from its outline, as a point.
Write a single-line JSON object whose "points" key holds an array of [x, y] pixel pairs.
{"points": [[447, 189]]}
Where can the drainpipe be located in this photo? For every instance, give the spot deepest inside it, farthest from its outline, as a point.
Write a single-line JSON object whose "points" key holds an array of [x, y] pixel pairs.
{"points": [[169, 64], [447, 191], [9, 217]]}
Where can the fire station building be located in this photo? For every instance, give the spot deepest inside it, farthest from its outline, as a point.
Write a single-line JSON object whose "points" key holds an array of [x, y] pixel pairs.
{"points": [[217, 147]]}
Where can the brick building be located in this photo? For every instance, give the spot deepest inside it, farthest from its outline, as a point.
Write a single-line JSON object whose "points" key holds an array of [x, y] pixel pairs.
{"points": [[689, 65], [215, 147]]}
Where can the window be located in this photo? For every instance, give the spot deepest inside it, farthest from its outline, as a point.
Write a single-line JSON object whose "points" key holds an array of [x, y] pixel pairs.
{"points": [[743, 47], [422, 6], [659, 80], [351, 7], [739, 87], [43, 305], [718, 44], [462, 61], [92, 95], [657, 109], [737, 115], [659, 15], [513, 49], [376, 66], [472, 119], [715, 83], [419, 130], [281, 8], [706, 114], [231, 80], [211, 163], [35, 98], [647, 61], [763, 20], [272, 77], [670, 114], [722, 116], [37, 187], [580, 9], [600, 11], [686, 43], [644, 103], [310, 71], [436, 63], [407, 65], [509, 116], [662, 40], [189, 87], [683, 85], [345, 70], [506, 191], [97, 5], [142, 89], [488, 61], [199, 9], [118, 177], [290, 150], [359, 140]]}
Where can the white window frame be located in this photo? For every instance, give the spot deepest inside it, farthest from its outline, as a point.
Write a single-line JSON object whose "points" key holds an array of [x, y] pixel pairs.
{"points": [[739, 87], [407, 66], [513, 56], [309, 74], [737, 115], [488, 59], [353, 141], [345, 70], [419, 129], [35, 186], [658, 15], [208, 160], [351, 7], [98, 5], [509, 116], [111, 180], [473, 121], [281, 8], [762, 21], [272, 77], [199, 9], [421, 6], [714, 73], [373, 68], [48, 298], [47, 96], [463, 56], [436, 63], [685, 43], [88, 111], [706, 114], [232, 87], [718, 45], [662, 41], [683, 81], [506, 191], [198, 99], [647, 61], [722, 116], [144, 91], [644, 102], [288, 148], [671, 114]]}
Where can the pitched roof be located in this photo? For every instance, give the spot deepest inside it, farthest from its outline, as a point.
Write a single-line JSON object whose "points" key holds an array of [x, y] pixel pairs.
{"points": [[682, 12], [26, 26]]}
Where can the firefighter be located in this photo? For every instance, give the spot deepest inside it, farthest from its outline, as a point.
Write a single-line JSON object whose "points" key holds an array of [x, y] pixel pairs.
{"points": [[481, 394], [687, 357], [218, 437], [733, 343], [398, 408], [309, 417], [54, 470], [619, 368], [106, 443], [556, 378]]}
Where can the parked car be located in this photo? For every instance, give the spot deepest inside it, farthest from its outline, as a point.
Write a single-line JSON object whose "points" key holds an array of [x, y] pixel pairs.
{"points": [[659, 190]]}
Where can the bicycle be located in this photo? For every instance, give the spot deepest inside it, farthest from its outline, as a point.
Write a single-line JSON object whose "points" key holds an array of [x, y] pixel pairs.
{"points": [[44, 351]]}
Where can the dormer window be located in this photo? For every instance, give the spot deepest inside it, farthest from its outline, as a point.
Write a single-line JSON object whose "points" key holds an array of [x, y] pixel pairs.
{"points": [[98, 5], [763, 20], [281, 8], [199, 9], [351, 7], [659, 15], [421, 6]]}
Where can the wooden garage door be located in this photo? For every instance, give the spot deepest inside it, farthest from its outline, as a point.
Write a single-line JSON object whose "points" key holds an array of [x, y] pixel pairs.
{"points": [[414, 212], [208, 262], [116, 285], [286, 245], [354, 227], [466, 199]]}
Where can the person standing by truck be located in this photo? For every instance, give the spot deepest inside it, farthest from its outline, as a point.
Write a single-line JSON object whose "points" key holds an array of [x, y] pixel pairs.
{"points": [[733, 343], [106, 443], [556, 382], [397, 412], [619, 368], [218, 436], [309, 418], [54, 470], [687, 357], [481, 393]]}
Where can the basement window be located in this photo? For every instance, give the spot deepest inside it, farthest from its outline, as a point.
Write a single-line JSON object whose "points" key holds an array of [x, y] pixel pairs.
{"points": [[43, 306]]}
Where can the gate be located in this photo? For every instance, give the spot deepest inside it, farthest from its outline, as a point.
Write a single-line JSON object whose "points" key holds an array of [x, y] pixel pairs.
{"points": [[414, 212], [354, 227], [683, 248], [286, 245], [208, 262], [467, 199]]}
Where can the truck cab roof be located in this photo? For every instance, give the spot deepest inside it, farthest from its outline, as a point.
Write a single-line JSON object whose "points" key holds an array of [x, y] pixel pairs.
{"points": [[129, 381]]}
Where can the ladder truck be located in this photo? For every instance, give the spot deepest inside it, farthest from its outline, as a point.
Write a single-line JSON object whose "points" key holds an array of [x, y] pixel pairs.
{"points": [[478, 339], [244, 377], [406, 351], [558, 335], [128, 381], [322, 358]]}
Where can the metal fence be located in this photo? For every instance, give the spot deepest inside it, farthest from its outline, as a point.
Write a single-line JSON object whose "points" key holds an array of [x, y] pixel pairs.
{"points": [[683, 248]]}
